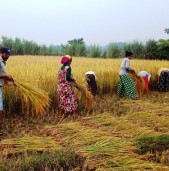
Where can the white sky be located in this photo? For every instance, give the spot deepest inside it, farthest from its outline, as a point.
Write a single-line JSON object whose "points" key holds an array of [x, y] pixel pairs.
{"points": [[97, 21]]}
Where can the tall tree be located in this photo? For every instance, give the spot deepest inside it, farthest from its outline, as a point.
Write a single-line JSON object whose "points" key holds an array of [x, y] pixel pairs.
{"points": [[166, 30], [113, 51], [151, 50], [94, 51], [163, 49], [75, 47], [136, 47], [17, 48], [7, 42]]}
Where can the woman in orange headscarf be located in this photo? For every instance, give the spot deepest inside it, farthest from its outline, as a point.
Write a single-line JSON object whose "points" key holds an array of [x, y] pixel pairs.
{"points": [[67, 98]]}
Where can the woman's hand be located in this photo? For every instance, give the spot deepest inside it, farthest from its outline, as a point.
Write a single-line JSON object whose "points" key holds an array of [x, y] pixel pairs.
{"points": [[9, 78]]}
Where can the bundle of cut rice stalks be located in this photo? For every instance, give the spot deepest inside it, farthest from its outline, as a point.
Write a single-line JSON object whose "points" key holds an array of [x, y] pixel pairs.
{"points": [[139, 82], [89, 100], [34, 98]]}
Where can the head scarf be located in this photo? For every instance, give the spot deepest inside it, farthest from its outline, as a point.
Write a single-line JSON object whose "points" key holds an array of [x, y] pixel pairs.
{"points": [[65, 59]]}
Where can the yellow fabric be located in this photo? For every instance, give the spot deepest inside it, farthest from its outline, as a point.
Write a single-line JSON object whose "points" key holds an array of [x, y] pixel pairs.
{"points": [[162, 69], [68, 56]]}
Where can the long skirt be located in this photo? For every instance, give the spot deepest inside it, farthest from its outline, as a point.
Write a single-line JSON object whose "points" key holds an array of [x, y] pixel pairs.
{"points": [[67, 98], [126, 86]]}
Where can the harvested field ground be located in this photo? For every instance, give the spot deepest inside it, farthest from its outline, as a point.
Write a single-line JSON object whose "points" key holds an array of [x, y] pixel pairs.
{"points": [[110, 138]]}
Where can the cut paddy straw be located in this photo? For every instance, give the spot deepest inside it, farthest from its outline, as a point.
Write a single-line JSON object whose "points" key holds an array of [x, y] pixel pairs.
{"points": [[34, 97], [89, 100]]}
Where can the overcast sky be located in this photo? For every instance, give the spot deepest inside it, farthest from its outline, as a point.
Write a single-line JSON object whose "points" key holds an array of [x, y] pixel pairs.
{"points": [[97, 21]]}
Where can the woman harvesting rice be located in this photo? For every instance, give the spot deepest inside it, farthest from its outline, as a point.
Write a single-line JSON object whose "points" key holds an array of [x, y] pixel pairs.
{"points": [[163, 79], [67, 98], [90, 77], [146, 76], [126, 84]]}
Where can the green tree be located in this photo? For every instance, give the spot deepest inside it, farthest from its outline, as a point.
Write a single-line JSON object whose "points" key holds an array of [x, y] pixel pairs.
{"points": [[163, 49], [113, 51], [53, 50], [44, 50], [75, 47], [7, 42], [166, 30], [94, 51], [17, 48], [27, 48], [151, 50], [104, 54], [136, 47]]}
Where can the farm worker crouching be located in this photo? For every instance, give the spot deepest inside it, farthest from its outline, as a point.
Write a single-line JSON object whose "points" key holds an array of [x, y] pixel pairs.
{"points": [[91, 78], [146, 76], [163, 79], [67, 99], [126, 83], [4, 55]]}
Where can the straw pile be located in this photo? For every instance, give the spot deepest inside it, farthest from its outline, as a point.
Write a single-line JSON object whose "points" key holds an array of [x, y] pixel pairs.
{"points": [[32, 97]]}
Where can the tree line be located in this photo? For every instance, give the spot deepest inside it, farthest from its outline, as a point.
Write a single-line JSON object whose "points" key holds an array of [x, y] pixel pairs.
{"points": [[151, 49]]}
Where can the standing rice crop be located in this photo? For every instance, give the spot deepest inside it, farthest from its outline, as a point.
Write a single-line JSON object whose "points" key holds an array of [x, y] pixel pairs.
{"points": [[29, 69]]}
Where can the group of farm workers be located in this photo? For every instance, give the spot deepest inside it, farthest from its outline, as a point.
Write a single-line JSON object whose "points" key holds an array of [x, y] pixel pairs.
{"points": [[67, 98]]}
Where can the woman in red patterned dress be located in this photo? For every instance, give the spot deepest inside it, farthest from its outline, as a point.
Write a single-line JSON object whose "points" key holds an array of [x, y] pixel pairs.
{"points": [[67, 97]]}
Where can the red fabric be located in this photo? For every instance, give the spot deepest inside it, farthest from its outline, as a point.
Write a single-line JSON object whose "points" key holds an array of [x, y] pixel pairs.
{"points": [[146, 89], [65, 60]]}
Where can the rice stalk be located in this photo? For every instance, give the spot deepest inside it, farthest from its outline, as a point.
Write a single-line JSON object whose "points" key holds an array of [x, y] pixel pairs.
{"points": [[89, 100], [101, 147], [34, 98]]}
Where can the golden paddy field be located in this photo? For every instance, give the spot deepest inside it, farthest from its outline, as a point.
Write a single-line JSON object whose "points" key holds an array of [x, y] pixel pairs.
{"points": [[120, 134]]}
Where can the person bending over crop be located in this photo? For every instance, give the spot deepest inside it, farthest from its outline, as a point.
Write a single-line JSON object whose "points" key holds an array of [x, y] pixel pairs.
{"points": [[67, 99], [90, 77], [126, 84], [146, 76], [4, 55], [163, 79]]}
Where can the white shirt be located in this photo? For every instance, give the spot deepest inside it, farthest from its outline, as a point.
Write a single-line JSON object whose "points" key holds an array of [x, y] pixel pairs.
{"points": [[2, 71], [125, 65], [145, 73]]}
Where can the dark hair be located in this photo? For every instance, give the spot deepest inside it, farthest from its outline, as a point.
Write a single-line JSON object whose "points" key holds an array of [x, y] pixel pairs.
{"points": [[128, 53], [5, 50]]}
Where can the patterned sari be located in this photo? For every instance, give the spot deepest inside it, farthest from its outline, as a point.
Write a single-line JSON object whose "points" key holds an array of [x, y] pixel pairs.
{"points": [[67, 98]]}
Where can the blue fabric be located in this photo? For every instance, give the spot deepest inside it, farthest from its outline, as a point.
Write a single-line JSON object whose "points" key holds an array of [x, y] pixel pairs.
{"points": [[1, 99]]}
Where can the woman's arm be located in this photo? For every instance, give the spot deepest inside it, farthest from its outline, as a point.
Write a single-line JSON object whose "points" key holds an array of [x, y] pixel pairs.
{"points": [[68, 75], [7, 77]]}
